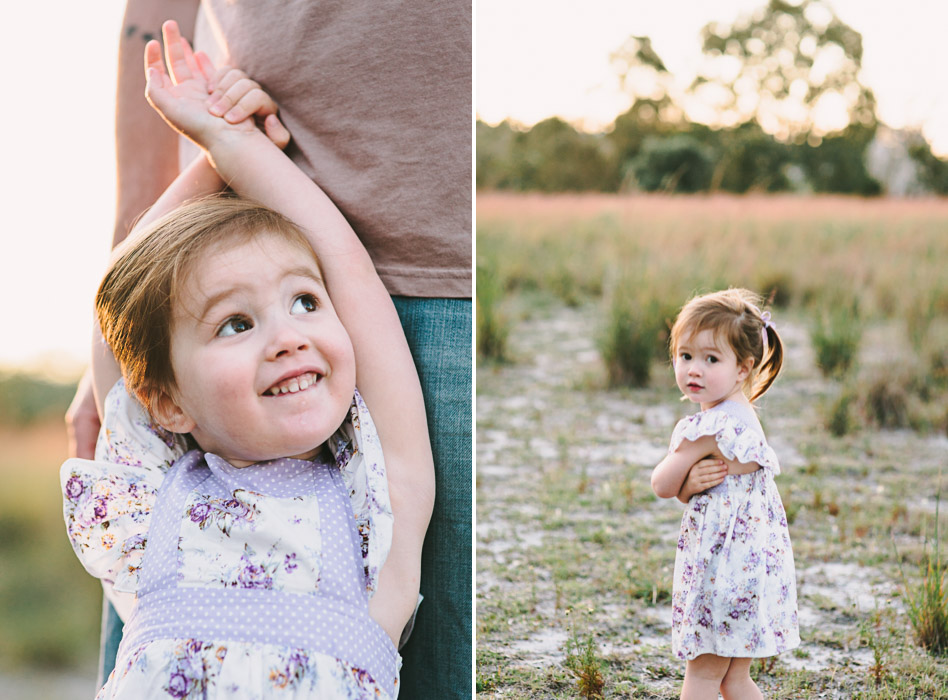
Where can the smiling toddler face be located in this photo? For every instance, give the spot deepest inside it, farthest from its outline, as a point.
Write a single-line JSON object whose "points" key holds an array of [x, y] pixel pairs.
{"points": [[263, 367]]}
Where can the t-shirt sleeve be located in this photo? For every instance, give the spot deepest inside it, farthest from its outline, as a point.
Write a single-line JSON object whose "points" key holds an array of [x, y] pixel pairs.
{"points": [[358, 454]]}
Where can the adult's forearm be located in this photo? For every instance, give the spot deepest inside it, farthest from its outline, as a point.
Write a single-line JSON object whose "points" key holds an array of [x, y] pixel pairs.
{"points": [[146, 149]]}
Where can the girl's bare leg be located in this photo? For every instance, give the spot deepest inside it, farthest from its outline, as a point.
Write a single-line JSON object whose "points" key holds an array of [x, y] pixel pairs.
{"points": [[703, 677], [737, 683]]}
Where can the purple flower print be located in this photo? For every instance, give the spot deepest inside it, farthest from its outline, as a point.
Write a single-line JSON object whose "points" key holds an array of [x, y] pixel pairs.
{"points": [[343, 456], [236, 508], [289, 563], [177, 685], [74, 488], [199, 513], [252, 576], [101, 509]]}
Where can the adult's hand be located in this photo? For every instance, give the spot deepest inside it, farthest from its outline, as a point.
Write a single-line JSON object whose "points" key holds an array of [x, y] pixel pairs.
{"points": [[82, 420]]}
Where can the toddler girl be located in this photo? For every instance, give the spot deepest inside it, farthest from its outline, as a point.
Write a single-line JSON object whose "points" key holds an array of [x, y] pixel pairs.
{"points": [[245, 519], [734, 594]]}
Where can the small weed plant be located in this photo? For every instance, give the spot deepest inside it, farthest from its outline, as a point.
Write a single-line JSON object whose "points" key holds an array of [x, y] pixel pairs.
{"points": [[877, 638], [584, 663], [927, 601]]}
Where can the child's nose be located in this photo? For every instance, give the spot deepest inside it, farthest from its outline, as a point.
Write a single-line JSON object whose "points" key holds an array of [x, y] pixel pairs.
{"points": [[286, 340]]}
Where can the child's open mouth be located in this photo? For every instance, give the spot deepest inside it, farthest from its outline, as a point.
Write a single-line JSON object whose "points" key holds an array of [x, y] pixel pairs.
{"points": [[294, 385]]}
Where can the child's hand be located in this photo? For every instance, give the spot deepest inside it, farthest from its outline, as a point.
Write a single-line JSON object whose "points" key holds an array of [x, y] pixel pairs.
{"points": [[182, 94], [235, 97], [704, 475]]}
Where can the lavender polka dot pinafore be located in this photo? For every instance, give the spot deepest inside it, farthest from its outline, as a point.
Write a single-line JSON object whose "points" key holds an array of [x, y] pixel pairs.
{"points": [[333, 619]]}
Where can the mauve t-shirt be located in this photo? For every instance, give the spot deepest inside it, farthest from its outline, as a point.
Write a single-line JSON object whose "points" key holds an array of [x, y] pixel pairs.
{"points": [[377, 96]]}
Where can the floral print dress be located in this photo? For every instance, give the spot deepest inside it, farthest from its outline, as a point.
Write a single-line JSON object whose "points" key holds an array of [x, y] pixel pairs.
{"points": [[734, 591], [261, 533]]}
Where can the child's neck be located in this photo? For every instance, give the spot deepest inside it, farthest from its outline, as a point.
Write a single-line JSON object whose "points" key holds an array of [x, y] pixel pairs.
{"points": [[738, 396]]}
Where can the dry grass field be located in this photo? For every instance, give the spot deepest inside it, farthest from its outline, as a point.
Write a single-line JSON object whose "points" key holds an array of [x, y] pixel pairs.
{"points": [[574, 552]]}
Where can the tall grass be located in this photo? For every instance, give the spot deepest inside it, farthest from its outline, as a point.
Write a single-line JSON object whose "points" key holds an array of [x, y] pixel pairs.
{"points": [[928, 601], [805, 250], [492, 326]]}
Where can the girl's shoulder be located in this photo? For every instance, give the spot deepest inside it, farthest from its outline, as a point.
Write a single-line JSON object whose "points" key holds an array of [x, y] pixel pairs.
{"points": [[736, 429], [129, 437]]}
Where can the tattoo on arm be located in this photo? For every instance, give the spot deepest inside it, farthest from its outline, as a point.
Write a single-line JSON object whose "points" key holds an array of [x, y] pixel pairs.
{"points": [[131, 30]]}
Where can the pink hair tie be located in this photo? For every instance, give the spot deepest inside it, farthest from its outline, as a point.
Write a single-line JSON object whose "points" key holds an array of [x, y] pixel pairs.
{"points": [[765, 317]]}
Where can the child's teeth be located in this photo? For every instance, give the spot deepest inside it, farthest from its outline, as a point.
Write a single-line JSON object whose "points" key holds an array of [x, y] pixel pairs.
{"points": [[294, 385]]}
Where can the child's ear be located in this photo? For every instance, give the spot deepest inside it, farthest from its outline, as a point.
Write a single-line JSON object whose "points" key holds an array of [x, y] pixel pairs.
{"points": [[744, 369], [168, 414]]}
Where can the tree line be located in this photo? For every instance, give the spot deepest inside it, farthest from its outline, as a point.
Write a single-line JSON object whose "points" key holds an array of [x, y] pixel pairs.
{"points": [[765, 77]]}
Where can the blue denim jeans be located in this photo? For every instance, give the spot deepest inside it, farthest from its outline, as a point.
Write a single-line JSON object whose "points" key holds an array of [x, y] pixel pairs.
{"points": [[437, 656]]}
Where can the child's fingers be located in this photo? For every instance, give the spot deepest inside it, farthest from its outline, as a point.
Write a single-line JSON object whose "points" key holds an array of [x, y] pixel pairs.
{"points": [[193, 66], [224, 80], [275, 131], [153, 57], [206, 66], [255, 102], [175, 53]]}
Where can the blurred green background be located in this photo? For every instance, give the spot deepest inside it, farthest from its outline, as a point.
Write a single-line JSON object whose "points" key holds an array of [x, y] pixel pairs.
{"points": [[49, 606]]}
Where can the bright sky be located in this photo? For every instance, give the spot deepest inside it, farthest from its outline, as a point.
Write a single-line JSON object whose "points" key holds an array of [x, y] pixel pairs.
{"points": [[539, 58], [58, 177], [535, 58]]}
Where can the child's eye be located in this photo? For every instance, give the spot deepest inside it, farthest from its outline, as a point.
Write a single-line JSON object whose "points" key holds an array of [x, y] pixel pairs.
{"points": [[685, 356], [712, 359], [304, 304], [233, 326]]}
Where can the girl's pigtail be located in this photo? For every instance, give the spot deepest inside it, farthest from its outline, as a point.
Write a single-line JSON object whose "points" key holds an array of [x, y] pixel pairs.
{"points": [[772, 363]]}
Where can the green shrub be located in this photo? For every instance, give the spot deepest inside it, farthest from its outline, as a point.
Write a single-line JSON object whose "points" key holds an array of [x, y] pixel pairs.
{"points": [[835, 337], [887, 400], [634, 335], [840, 420]]}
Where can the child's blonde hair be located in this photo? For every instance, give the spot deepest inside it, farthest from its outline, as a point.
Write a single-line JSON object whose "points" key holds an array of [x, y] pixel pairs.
{"points": [[734, 316], [135, 301]]}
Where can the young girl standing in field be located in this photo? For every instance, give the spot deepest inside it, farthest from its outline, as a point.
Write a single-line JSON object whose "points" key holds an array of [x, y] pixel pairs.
{"points": [[734, 594], [249, 560]]}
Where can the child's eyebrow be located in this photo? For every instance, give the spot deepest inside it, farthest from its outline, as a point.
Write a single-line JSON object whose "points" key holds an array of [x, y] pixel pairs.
{"points": [[215, 299], [308, 273]]}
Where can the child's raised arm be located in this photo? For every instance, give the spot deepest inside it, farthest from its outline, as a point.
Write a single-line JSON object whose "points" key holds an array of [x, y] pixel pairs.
{"points": [[191, 73], [385, 372]]}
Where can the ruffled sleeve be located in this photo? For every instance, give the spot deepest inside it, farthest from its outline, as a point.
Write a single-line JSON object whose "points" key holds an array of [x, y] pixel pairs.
{"points": [[107, 501], [358, 454], [736, 438]]}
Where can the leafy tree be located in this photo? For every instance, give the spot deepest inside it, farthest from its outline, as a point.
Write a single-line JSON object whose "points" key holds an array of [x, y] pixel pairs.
{"points": [[751, 161], [781, 64], [838, 165], [678, 163], [932, 170]]}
